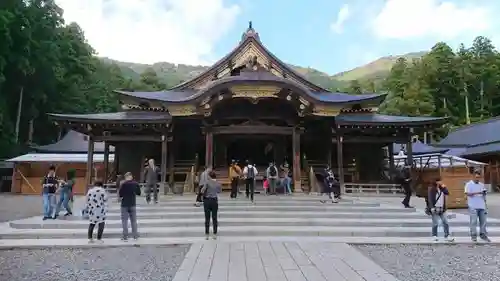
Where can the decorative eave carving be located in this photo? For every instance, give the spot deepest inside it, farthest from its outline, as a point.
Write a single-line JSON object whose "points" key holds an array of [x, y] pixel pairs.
{"points": [[182, 110], [322, 110], [255, 92]]}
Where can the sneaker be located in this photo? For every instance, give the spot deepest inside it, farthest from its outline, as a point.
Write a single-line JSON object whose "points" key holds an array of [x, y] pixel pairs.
{"points": [[449, 239], [45, 218], [485, 238], [474, 239], [124, 239], [91, 241], [207, 236], [68, 214], [435, 238]]}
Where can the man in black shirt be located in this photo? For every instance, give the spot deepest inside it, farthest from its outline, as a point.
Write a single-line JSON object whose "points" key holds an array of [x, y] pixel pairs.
{"points": [[128, 191], [50, 184]]}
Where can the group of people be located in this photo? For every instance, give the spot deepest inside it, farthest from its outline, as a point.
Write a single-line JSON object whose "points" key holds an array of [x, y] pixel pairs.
{"points": [[53, 186], [476, 201]]}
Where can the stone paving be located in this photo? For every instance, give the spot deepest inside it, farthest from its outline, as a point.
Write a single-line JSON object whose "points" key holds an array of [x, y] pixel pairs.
{"points": [[278, 261]]}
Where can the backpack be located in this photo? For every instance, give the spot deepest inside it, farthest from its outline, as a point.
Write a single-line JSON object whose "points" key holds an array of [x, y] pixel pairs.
{"points": [[251, 172], [272, 171]]}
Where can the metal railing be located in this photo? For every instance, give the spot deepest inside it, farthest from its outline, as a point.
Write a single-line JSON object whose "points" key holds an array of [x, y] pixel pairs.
{"points": [[372, 188]]}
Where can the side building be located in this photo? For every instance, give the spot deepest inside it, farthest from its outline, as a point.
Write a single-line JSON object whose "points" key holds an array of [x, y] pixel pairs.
{"points": [[249, 106]]}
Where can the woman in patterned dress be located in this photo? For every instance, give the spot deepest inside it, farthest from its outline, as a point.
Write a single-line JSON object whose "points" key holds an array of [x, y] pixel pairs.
{"points": [[96, 205]]}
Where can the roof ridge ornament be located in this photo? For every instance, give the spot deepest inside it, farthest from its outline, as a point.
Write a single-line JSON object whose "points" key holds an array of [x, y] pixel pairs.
{"points": [[250, 32]]}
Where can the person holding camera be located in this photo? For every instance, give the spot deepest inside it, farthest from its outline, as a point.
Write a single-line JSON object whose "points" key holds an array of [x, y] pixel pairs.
{"points": [[437, 209], [476, 201]]}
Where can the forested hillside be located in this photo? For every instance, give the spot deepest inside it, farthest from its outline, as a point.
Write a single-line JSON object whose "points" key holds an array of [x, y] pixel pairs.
{"points": [[46, 65]]}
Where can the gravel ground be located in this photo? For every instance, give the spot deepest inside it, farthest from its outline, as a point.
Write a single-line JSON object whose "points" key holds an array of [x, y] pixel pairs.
{"points": [[437, 262], [109, 264]]}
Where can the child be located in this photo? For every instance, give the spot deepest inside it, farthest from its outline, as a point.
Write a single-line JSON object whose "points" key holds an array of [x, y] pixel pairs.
{"points": [[266, 186]]}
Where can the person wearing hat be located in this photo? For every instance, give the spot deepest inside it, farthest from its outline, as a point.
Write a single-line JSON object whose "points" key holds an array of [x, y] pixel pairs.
{"points": [[234, 175], [476, 201]]}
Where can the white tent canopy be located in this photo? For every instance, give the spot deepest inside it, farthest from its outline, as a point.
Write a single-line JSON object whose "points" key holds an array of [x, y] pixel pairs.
{"points": [[437, 160], [59, 158]]}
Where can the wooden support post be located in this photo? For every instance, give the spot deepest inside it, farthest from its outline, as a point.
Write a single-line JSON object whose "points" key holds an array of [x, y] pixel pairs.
{"points": [[409, 150], [163, 167], [297, 173], [171, 160], [390, 151], [209, 156], [340, 162], [90, 163], [106, 162]]}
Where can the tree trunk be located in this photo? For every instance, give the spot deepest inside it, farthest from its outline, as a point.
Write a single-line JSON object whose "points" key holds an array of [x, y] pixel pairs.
{"points": [[18, 118], [31, 129]]}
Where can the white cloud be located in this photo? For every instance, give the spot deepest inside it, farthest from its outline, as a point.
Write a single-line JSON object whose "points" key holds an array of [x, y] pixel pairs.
{"points": [[410, 19], [147, 31], [342, 16]]}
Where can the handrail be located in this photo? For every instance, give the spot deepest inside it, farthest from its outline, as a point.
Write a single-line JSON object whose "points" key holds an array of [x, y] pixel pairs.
{"points": [[370, 188], [189, 182], [313, 185]]}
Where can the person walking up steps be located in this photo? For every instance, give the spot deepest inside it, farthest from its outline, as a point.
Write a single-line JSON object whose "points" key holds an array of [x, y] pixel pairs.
{"points": [[234, 175], [97, 199], [476, 201], [127, 194], [437, 196], [272, 177], [151, 179], [211, 203], [250, 172]]}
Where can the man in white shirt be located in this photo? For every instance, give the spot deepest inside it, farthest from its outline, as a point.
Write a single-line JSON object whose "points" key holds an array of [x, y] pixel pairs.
{"points": [[250, 172], [476, 201]]}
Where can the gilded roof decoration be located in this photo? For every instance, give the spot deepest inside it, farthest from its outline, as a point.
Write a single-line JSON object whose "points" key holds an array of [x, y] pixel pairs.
{"points": [[255, 92]]}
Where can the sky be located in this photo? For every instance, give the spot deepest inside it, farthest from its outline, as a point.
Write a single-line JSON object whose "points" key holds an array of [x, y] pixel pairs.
{"points": [[329, 35]]}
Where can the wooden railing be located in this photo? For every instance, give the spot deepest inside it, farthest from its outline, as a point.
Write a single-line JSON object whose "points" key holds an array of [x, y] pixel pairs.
{"points": [[372, 188]]}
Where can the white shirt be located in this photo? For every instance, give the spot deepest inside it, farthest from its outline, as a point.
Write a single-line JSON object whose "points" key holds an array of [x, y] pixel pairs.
{"points": [[245, 170], [440, 199], [476, 201]]}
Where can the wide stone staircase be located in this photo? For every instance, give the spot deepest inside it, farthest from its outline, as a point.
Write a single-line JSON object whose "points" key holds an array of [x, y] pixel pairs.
{"points": [[175, 220]]}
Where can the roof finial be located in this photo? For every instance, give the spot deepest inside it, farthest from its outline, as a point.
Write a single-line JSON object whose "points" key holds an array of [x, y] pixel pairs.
{"points": [[250, 25]]}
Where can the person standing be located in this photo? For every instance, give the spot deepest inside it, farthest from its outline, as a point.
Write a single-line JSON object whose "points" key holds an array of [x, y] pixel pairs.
{"points": [[405, 181], [201, 183], [234, 175], [328, 182], [476, 201], [97, 199], [50, 184], [151, 179], [127, 194], [437, 208], [250, 172], [286, 180], [211, 203], [65, 194], [272, 177]]}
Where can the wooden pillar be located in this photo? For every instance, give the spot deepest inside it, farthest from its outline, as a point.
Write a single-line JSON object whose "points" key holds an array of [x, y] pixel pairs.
{"points": [[409, 152], [163, 167], [171, 161], [340, 161], [297, 173], [209, 146], [90, 163], [390, 151], [106, 162], [329, 154]]}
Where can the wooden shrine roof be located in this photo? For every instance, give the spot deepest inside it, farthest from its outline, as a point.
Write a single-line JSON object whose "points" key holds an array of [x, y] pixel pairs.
{"points": [[374, 119], [72, 142]]}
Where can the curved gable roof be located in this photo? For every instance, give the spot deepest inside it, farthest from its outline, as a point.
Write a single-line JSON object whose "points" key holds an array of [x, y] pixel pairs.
{"points": [[72, 142], [478, 133]]}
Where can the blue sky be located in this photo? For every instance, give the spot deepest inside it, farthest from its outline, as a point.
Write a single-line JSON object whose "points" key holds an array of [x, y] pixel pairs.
{"points": [[331, 36]]}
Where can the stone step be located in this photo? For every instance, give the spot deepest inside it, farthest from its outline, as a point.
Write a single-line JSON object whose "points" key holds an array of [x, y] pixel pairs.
{"points": [[332, 208], [115, 215], [244, 202], [234, 231], [116, 242], [242, 221]]}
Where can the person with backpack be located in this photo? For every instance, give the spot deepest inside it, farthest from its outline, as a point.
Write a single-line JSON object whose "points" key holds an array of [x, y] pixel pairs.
{"points": [[436, 208], [272, 177], [250, 172]]}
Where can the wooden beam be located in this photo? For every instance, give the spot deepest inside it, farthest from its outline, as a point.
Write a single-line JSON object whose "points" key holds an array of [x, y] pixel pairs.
{"points": [[163, 167], [90, 163], [251, 130], [121, 138], [106, 162], [340, 162]]}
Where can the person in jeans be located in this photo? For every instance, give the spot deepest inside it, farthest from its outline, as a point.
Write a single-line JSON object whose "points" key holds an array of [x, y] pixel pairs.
{"points": [[128, 191], [234, 175], [437, 208], [50, 184], [65, 194], [201, 183], [211, 203], [250, 172], [476, 201], [151, 179], [272, 177], [97, 200], [286, 180]]}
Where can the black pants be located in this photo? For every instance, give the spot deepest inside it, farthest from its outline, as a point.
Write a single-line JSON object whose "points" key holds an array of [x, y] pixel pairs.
{"points": [[336, 190], [407, 190], [199, 197], [234, 187], [100, 230], [210, 206], [250, 188]]}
